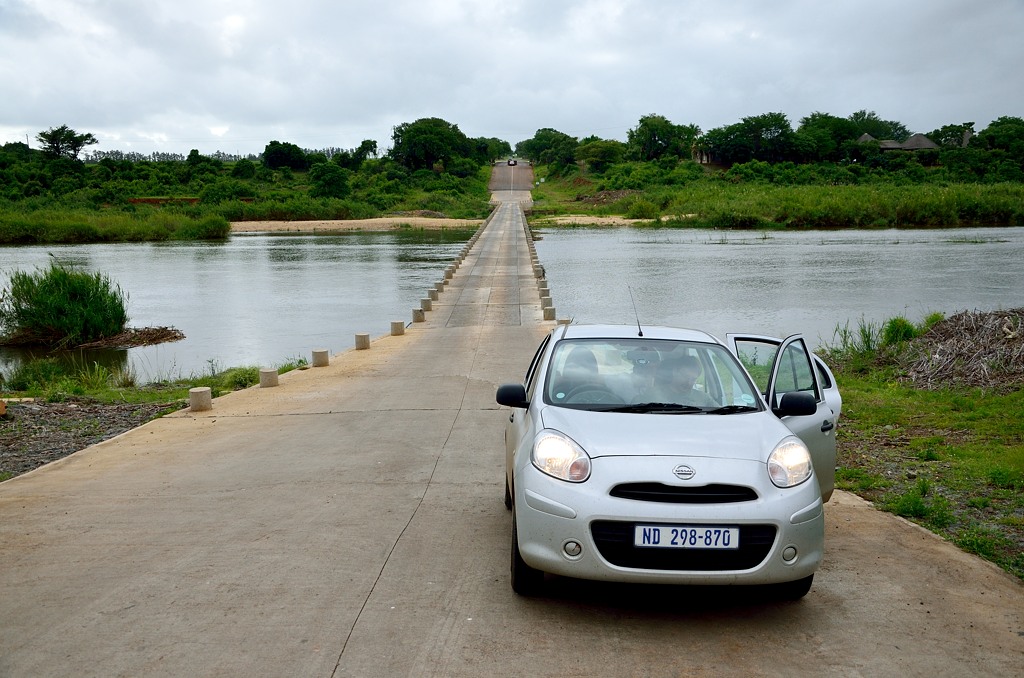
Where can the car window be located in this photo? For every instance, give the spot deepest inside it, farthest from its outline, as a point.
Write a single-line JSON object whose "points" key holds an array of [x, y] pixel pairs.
{"points": [[608, 372], [531, 371], [823, 378], [795, 371], [757, 357]]}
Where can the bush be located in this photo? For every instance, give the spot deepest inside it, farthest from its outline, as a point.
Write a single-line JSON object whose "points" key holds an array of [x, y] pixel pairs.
{"points": [[61, 307], [898, 330], [642, 209]]}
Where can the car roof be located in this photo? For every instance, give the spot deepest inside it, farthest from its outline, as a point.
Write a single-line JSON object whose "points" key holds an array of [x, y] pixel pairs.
{"points": [[627, 331]]}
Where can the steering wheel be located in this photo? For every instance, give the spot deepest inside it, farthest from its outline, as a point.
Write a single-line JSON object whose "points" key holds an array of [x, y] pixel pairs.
{"points": [[593, 393]]}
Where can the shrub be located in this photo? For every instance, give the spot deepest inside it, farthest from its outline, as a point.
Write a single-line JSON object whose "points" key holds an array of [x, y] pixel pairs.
{"points": [[642, 209], [61, 307], [898, 330]]}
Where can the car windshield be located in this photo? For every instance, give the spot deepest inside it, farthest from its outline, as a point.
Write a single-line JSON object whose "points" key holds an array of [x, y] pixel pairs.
{"points": [[656, 376]]}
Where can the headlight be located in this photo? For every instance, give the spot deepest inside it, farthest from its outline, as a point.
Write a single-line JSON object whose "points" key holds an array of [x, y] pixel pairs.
{"points": [[559, 456], [789, 463]]}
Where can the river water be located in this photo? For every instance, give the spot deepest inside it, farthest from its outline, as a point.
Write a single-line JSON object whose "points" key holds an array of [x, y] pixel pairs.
{"points": [[265, 299], [779, 283], [254, 299]]}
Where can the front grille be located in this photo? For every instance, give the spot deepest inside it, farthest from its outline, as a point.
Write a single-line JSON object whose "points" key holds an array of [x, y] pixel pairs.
{"points": [[615, 542], [673, 494]]}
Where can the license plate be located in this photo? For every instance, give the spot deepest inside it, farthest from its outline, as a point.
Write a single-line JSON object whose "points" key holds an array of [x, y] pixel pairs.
{"points": [[686, 537]]}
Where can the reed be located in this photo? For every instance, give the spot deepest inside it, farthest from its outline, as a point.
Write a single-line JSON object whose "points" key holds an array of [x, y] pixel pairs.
{"points": [[61, 307], [19, 226]]}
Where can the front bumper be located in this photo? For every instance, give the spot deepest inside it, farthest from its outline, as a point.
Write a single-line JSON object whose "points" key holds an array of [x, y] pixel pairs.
{"points": [[580, 530]]}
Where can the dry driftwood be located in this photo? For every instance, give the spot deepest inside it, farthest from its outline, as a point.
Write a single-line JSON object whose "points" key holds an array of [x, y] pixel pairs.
{"points": [[972, 348]]}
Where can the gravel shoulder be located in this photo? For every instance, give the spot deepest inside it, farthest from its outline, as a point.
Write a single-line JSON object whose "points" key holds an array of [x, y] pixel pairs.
{"points": [[34, 433]]}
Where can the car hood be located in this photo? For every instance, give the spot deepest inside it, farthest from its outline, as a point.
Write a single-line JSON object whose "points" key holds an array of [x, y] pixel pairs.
{"points": [[750, 436]]}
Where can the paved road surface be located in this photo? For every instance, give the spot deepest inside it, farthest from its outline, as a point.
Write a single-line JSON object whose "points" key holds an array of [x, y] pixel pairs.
{"points": [[349, 523]]}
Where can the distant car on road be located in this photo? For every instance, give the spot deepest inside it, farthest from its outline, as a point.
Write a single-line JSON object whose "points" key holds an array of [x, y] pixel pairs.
{"points": [[658, 455], [513, 161]]}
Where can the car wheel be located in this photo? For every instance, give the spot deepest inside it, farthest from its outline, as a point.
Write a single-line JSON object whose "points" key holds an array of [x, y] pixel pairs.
{"points": [[526, 581], [795, 590], [508, 496]]}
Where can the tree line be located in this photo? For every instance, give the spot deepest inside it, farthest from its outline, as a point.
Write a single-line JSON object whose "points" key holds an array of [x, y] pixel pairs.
{"points": [[428, 156], [994, 154], [432, 165]]}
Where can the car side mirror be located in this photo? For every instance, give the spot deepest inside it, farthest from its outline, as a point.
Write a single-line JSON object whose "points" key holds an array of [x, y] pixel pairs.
{"points": [[512, 395], [796, 404]]}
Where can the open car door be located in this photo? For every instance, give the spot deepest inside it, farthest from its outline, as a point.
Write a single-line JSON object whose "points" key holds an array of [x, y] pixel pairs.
{"points": [[779, 366]]}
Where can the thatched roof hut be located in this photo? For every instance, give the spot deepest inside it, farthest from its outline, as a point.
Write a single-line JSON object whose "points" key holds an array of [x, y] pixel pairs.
{"points": [[918, 142]]}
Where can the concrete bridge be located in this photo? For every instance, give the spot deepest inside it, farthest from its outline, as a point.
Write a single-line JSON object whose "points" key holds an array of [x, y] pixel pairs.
{"points": [[349, 522]]}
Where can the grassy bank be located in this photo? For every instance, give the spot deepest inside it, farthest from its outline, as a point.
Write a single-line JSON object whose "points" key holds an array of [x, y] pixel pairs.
{"points": [[53, 380], [19, 226], [718, 203], [114, 208], [949, 457]]}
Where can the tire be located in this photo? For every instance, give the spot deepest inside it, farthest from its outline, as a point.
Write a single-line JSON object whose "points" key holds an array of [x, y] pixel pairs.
{"points": [[795, 590], [525, 580], [508, 496]]}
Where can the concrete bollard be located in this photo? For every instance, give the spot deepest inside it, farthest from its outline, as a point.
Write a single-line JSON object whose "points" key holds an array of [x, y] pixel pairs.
{"points": [[549, 313], [362, 341], [398, 327], [439, 286], [432, 294], [426, 304], [544, 290], [564, 321], [268, 377], [449, 273], [418, 315], [200, 399], [320, 357], [545, 302]]}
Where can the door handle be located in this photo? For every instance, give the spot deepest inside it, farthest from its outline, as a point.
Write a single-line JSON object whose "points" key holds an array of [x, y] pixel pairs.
{"points": [[827, 426], [512, 417]]}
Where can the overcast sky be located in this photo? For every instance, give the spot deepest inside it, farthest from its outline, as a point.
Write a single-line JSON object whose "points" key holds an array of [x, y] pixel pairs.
{"points": [[231, 75]]}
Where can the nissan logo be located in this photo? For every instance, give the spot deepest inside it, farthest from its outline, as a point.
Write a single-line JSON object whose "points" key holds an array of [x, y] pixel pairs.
{"points": [[684, 472]]}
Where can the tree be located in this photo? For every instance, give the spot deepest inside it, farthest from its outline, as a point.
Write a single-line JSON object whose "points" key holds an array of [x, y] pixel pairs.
{"points": [[244, 169], [328, 181], [656, 136], [64, 142], [1004, 133], [428, 142], [600, 154], [487, 150], [953, 136], [550, 147], [767, 137], [868, 122], [821, 136], [279, 154]]}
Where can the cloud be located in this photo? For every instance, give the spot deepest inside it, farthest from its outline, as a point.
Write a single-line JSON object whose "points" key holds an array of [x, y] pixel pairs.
{"points": [[233, 74]]}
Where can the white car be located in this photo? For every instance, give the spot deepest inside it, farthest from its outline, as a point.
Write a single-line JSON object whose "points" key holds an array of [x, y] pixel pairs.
{"points": [[648, 454]]}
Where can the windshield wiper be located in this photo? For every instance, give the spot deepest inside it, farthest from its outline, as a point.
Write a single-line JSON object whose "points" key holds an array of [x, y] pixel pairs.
{"points": [[649, 408], [732, 409]]}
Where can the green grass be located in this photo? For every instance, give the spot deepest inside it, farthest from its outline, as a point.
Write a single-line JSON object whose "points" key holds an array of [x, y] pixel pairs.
{"points": [[718, 203], [19, 226], [61, 306], [53, 381], [950, 459]]}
